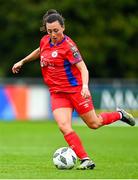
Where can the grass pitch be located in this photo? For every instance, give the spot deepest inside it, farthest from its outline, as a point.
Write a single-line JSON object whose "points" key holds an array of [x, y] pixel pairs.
{"points": [[26, 150]]}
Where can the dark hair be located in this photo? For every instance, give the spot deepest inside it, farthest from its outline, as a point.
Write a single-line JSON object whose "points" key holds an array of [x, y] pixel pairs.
{"points": [[51, 16]]}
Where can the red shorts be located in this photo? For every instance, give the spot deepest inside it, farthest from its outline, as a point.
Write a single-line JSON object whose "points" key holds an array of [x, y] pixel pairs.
{"points": [[72, 100]]}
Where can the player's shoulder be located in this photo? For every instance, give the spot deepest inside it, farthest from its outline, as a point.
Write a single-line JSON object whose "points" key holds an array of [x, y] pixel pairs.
{"points": [[44, 40], [69, 41], [71, 44]]}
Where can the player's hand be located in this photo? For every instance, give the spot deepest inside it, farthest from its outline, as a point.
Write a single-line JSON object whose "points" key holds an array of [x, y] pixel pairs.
{"points": [[17, 66], [85, 92]]}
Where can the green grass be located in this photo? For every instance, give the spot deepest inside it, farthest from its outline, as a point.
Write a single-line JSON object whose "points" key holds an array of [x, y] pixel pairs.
{"points": [[26, 150]]}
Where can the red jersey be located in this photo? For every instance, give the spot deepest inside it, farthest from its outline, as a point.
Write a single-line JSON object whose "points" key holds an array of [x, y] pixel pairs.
{"points": [[58, 65]]}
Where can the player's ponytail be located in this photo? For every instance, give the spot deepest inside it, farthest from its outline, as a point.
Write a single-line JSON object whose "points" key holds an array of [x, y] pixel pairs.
{"points": [[50, 11], [51, 16]]}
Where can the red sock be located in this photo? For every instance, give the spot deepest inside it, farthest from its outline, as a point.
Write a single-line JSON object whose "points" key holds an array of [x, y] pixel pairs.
{"points": [[74, 142], [110, 117]]}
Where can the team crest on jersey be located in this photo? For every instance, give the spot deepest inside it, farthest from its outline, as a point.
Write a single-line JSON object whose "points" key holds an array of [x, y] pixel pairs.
{"points": [[54, 54]]}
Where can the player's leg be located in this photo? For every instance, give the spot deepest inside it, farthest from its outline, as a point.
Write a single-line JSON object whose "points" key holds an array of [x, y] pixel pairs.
{"points": [[86, 110], [93, 121], [63, 117], [62, 111], [86, 162]]}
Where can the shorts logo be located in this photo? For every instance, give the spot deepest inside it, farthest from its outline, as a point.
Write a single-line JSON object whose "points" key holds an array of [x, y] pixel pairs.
{"points": [[85, 103], [54, 54]]}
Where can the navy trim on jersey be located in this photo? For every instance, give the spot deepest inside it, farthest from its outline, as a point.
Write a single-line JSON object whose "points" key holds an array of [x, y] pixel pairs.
{"points": [[51, 45], [72, 80]]}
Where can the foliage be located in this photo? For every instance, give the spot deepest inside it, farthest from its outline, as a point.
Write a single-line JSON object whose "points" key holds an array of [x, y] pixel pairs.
{"points": [[105, 32]]}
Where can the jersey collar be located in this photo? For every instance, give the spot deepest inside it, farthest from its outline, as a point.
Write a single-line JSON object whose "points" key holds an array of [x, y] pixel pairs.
{"points": [[51, 45]]}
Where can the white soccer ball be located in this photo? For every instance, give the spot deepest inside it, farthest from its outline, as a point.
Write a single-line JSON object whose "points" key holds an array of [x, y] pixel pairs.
{"points": [[64, 158]]}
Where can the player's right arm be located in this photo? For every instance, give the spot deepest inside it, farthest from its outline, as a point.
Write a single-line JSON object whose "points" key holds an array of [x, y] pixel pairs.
{"points": [[31, 57]]}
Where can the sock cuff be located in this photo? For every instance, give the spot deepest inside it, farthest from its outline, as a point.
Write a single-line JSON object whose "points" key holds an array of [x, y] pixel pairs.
{"points": [[121, 115], [69, 135]]}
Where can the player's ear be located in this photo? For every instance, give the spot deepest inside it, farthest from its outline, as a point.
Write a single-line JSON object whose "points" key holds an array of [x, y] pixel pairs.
{"points": [[63, 27]]}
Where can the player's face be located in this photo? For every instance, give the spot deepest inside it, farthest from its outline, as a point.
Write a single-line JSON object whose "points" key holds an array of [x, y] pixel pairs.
{"points": [[55, 30]]}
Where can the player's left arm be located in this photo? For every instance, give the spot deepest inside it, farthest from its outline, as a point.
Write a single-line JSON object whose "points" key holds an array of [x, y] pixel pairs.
{"points": [[85, 78]]}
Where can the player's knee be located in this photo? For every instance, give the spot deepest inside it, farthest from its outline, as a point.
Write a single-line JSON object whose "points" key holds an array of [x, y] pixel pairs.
{"points": [[94, 125], [64, 128]]}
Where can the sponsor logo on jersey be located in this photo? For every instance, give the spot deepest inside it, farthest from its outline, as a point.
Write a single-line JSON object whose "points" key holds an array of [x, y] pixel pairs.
{"points": [[43, 61]]}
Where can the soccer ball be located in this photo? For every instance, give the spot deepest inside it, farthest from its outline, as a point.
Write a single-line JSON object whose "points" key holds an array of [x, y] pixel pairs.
{"points": [[64, 158]]}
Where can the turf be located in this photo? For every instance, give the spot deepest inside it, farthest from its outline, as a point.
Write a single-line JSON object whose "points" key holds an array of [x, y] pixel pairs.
{"points": [[26, 150]]}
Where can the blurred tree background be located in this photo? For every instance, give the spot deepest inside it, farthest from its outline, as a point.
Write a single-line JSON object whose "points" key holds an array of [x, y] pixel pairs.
{"points": [[105, 31]]}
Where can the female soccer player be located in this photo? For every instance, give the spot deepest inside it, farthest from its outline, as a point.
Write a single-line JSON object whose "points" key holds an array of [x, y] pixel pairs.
{"points": [[66, 75]]}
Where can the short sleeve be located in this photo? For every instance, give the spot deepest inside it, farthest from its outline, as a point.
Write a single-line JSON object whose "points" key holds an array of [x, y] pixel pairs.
{"points": [[73, 55]]}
